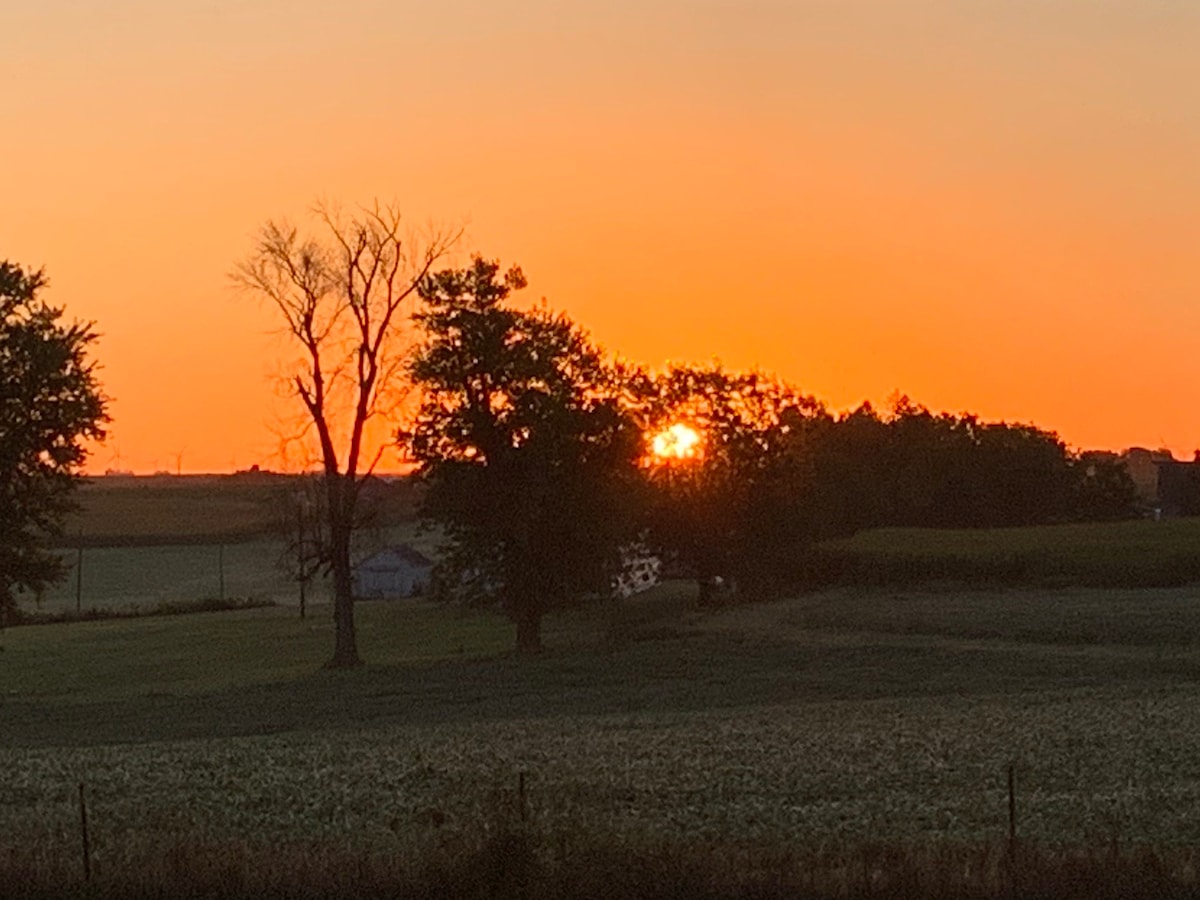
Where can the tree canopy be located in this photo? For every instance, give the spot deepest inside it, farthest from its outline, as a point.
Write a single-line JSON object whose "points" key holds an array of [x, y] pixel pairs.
{"points": [[529, 453], [51, 405], [736, 510]]}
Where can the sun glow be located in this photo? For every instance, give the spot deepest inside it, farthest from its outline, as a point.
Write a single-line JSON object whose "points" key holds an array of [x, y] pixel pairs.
{"points": [[677, 442]]}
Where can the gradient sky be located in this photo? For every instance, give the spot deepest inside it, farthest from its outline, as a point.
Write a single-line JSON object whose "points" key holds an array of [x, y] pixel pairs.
{"points": [[991, 205]]}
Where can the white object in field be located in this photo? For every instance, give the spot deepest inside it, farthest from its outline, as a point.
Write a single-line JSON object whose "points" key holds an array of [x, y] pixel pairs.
{"points": [[398, 571], [639, 572]]}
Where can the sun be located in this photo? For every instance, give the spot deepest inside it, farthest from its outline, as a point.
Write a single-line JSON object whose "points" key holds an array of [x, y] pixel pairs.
{"points": [[679, 441]]}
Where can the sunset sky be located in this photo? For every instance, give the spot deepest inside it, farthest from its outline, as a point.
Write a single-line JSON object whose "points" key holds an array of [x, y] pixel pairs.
{"points": [[990, 205]]}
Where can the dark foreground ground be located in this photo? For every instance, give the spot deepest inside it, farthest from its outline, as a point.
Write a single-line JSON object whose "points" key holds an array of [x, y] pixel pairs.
{"points": [[846, 743]]}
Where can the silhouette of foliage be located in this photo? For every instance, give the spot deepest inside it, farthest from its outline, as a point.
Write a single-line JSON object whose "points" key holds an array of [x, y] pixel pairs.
{"points": [[529, 454], [1103, 489], [736, 511], [912, 467], [777, 474], [50, 405]]}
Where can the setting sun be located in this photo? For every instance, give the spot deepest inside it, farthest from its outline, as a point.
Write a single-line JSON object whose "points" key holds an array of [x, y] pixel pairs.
{"points": [[677, 442]]}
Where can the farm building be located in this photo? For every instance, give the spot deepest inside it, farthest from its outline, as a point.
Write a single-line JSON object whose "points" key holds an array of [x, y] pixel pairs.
{"points": [[397, 571], [1167, 486]]}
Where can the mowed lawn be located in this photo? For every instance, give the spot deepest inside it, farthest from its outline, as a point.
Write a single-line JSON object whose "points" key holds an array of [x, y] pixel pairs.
{"points": [[840, 715], [151, 656]]}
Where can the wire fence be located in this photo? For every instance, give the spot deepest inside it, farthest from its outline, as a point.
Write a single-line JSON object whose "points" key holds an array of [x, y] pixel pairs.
{"points": [[100, 578]]}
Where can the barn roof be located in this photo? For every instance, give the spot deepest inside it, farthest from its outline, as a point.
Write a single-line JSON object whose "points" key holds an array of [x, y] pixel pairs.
{"points": [[389, 558]]}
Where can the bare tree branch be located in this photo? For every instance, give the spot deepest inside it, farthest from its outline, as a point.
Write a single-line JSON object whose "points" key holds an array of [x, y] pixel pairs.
{"points": [[341, 298]]}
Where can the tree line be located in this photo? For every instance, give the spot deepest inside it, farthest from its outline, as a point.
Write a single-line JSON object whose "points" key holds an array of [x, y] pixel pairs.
{"points": [[535, 447], [535, 453]]}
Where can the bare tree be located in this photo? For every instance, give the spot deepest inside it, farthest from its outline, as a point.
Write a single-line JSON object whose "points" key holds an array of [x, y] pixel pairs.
{"points": [[341, 297]]}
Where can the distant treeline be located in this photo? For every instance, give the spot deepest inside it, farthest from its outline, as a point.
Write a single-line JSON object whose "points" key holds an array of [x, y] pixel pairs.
{"points": [[915, 468], [780, 475]]}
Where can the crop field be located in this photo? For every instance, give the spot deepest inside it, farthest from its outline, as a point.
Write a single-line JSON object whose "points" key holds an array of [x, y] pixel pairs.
{"points": [[1138, 553], [865, 714], [811, 721], [169, 508], [165, 509]]}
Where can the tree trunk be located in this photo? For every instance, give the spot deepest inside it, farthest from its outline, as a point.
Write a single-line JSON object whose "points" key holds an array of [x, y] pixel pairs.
{"points": [[529, 633], [345, 642]]}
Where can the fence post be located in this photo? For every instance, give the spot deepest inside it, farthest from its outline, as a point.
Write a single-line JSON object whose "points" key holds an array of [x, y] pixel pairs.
{"points": [[83, 831], [521, 793], [1012, 810], [79, 574]]}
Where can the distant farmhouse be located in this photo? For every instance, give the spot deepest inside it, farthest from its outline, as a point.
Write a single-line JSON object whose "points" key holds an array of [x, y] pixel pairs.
{"points": [[397, 571], [1167, 486]]}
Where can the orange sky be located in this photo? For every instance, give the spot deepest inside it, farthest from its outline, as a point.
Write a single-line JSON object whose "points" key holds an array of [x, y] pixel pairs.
{"points": [[992, 205]]}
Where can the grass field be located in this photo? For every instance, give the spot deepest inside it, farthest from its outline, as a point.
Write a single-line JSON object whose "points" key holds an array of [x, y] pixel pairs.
{"points": [[167, 509], [154, 540], [838, 719], [147, 541], [1138, 553], [142, 576], [859, 734]]}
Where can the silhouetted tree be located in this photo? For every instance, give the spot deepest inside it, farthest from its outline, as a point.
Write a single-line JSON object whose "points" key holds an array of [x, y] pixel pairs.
{"points": [[340, 298], [528, 452], [853, 483], [913, 467], [740, 509], [955, 471], [50, 405], [1104, 490]]}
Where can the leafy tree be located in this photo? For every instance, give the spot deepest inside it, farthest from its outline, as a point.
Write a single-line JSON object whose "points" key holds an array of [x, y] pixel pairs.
{"points": [[956, 471], [341, 299], [740, 509], [50, 405], [529, 454], [912, 467], [1103, 488]]}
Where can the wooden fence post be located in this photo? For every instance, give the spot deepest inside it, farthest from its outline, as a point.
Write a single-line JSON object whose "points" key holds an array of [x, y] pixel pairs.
{"points": [[521, 793], [83, 831], [79, 575], [1012, 810]]}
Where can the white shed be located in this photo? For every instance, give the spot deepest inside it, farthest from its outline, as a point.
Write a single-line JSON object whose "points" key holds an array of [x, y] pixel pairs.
{"points": [[398, 571]]}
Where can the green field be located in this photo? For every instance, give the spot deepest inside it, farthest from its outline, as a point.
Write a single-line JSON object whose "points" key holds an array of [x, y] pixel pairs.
{"points": [[149, 541], [1138, 553], [121, 577], [842, 717], [862, 731], [168, 509]]}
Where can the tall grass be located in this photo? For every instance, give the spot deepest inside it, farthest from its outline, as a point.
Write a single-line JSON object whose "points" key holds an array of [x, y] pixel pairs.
{"points": [[508, 860]]}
